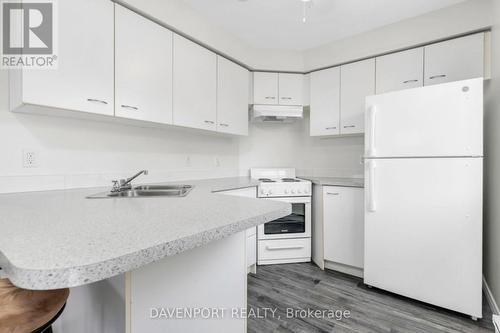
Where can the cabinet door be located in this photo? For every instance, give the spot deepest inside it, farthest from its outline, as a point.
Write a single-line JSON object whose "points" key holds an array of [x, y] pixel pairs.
{"points": [[325, 102], [265, 88], [195, 85], [402, 70], [143, 68], [232, 97], [343, 225], [291, 89], [357, 82], [83, 80], [251, 233], [455, 60]]}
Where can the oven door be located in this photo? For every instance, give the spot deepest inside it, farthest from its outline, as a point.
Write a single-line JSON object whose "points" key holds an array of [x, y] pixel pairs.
{"points": [[295, 225]]}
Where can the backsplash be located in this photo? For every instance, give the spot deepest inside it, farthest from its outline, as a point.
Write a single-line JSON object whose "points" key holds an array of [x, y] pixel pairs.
{"points": [[74, 153]]}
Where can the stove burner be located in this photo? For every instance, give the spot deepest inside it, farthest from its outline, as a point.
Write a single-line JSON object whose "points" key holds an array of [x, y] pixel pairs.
{"points": [[266, 180], [290, 180]]}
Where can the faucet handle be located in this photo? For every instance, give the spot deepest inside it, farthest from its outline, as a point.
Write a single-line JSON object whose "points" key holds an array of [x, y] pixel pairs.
{"points": [[116, 185]]}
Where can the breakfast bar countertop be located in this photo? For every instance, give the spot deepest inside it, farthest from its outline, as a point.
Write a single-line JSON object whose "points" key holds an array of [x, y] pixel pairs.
{"points": [[58, 239]]}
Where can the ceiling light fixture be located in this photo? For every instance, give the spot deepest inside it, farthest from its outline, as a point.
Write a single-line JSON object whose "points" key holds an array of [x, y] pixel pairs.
{"points": [[305, 5]]}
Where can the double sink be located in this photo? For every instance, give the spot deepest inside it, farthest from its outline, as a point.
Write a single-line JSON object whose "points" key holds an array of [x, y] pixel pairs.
{"points": [[146, 191]]}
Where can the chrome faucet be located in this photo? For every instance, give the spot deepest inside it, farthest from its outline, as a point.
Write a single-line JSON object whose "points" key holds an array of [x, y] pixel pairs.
{"points": [[126, 184]]}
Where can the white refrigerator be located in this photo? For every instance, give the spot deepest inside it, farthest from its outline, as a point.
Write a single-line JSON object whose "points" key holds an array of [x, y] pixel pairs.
{"points": [[423, 197]]}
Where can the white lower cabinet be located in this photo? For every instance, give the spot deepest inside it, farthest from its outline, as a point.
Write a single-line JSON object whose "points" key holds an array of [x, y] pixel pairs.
{"points": [[343, 225], [251, 233]]}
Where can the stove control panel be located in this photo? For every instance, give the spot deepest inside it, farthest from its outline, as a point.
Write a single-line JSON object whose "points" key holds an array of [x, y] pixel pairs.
{"points": [[302, 189]]}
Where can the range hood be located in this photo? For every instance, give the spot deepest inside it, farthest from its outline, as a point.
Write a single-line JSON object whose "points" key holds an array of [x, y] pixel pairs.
{"points": [[277, 113]]}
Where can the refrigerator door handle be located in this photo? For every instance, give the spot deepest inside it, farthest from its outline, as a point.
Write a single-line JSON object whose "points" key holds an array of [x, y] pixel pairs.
{"points": [[372, 204], [371, 131]]}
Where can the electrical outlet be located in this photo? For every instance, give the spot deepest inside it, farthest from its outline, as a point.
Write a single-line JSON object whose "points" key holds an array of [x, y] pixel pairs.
{"points": [[217, 161], [188, 161], [30, 158]]}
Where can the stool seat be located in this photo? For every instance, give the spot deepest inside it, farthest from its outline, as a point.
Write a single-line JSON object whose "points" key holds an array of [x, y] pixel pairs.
{"points": [[24, 311]]}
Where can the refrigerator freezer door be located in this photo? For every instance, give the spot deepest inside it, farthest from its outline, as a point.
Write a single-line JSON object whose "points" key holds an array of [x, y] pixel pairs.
{"points": [[423, 230], [440, 120]]}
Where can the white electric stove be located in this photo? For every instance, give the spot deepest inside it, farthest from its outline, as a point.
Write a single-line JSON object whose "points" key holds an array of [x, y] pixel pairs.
{"points": [[288, 239]]}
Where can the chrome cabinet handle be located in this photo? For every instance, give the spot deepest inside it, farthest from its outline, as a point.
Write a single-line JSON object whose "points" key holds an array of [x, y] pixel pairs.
{"points": [[93, 100], [269, 97], [410, 81], [209, 122], [286, 98], [330, 128], [330, 193], [350, 126], [224, 125], [129, 107], [437, 76], [275, 248]]}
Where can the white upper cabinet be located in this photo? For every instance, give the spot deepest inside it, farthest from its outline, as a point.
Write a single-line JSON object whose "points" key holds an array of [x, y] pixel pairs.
{"points": [[195, 85], [357, 81], [455, 60], [83, 80], [325, 102], [232, 97], [401, 70], [265, 88], [143, 68], [343, 225], [278, 89], [291, 89]]}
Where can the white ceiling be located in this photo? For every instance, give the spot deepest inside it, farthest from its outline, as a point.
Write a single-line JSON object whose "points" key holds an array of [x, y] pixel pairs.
{"points": [[277, 24]]}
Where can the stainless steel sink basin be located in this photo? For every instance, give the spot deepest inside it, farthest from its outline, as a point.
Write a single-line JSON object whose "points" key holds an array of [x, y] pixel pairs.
{"points": [[147, 191]]}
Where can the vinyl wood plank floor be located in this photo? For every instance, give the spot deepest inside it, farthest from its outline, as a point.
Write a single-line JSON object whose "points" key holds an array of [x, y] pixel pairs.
{"points": [[304, 286]]}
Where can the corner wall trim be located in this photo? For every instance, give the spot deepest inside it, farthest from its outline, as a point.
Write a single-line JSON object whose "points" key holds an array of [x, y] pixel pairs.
{"points": [[489, 297]]}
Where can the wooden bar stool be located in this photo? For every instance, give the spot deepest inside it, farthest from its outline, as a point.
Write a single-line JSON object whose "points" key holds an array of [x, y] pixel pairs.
{"points": [[29, 311]]}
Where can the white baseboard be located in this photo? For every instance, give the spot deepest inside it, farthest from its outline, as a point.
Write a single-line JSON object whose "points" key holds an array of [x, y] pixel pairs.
{"points": [[489, 297]]}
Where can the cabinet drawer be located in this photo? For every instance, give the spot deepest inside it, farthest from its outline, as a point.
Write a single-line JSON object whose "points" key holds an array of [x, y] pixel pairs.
{"points": [[284, 249]]}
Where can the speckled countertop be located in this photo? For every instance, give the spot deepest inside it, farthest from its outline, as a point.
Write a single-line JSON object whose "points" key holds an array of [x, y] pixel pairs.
{"points": [[57, 239], [337, 181]]}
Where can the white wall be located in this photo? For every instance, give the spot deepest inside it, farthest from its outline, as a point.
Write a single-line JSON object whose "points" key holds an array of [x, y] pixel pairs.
{"points": [[289, 145], [76, 153], [492, 166], [468, 16], [182, 17]]}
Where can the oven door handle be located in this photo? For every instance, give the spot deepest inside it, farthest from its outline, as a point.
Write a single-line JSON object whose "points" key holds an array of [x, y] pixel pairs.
{"points": [[277, 248]]}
